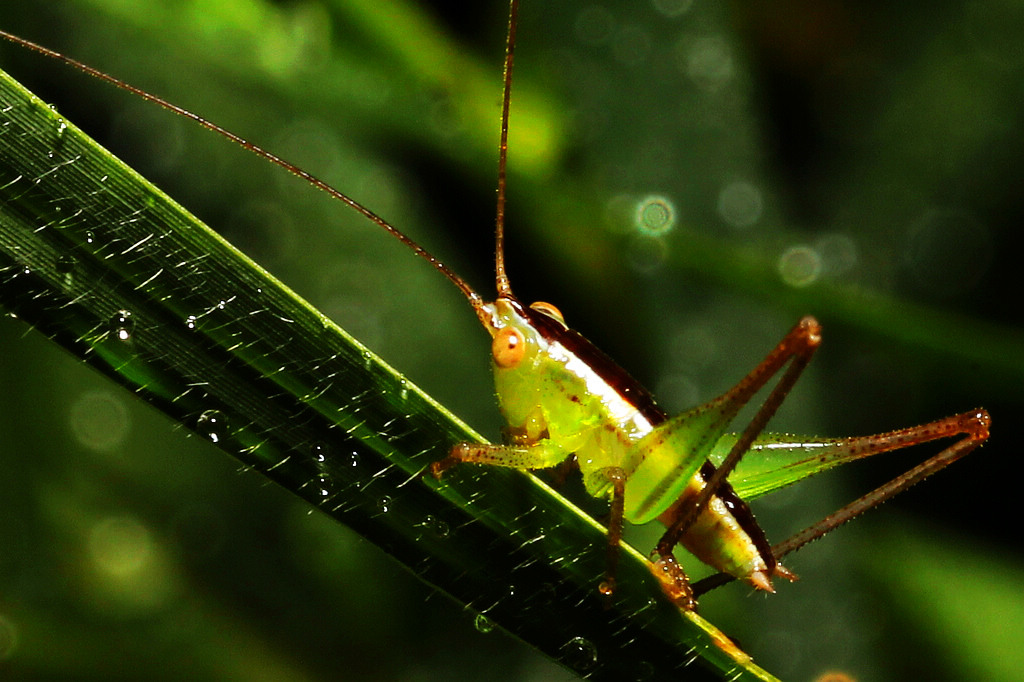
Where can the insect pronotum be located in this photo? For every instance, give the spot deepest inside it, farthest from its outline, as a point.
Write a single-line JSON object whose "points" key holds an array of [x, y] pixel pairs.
{"points": [[649, 465]]}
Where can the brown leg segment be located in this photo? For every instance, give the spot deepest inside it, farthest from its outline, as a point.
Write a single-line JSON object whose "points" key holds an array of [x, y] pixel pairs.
{"points": [[973, 425], [796, 348], [618, 480]]}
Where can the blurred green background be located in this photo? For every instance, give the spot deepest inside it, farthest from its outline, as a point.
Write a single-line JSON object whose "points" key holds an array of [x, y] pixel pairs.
{"points": [[861, 163]]}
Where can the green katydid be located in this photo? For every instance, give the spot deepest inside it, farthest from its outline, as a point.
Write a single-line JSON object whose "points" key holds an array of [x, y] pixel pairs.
{"points": [[562, 397]]}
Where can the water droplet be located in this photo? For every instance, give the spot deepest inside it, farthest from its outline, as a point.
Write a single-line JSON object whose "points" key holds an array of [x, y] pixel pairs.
{"points": [[212, 424], [606, 588], [483, 624], [740, 204], [708, 62], [644, 671], [353, 459], [404, 392], [799, 266], [546, 595], [441, 528], [65, 264], [191, 323], [436, 526], [579, 653], [384, 504], [838, 253], [90, 237], [99, 421], [122, 325], [325, 482], [655, 215], [58, 141], [319, 451]]}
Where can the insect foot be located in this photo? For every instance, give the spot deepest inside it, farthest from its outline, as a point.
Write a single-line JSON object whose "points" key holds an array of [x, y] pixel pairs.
{"points": [[438, 468], [674, 582], [463, 452]]}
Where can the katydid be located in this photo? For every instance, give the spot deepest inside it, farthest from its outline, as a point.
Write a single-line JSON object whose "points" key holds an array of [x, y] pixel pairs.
{"points": [[562, 398]]}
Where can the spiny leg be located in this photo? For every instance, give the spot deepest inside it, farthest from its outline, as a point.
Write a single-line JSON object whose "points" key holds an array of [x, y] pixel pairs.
{"points": [[617, 477], [541, 456], [538, 455], [796, 348], [973, 425]]}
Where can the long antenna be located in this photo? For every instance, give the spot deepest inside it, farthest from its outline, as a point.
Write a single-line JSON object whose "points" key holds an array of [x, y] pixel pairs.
{"points": [[474, 298], [504, 289]]}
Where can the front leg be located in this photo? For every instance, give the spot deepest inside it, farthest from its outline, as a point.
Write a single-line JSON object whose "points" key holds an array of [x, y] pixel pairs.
{"points": [[540, 455]]}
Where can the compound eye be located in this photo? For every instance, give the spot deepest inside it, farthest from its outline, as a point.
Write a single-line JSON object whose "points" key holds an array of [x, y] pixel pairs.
{"points": [[508, 347]]}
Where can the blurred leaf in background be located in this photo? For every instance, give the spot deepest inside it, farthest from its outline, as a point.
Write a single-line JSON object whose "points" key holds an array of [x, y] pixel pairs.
{"points": [[859, 164]]}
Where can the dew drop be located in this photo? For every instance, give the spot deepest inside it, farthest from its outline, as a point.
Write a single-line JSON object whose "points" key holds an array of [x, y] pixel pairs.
{"points": [[319, 451], [324, 483], [655, 215], [404, 392], [740, 204], [212, 424], [606, 588], [441, 528], [353, 459], [483, 624], [58, 142], [122, 325], [99, 421], [65, 264], [384, 504], [90, 237], [838, 253], [799, 266], [644, 671], [191, 323], [708, 62], [546, 595], [579, 653]]}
